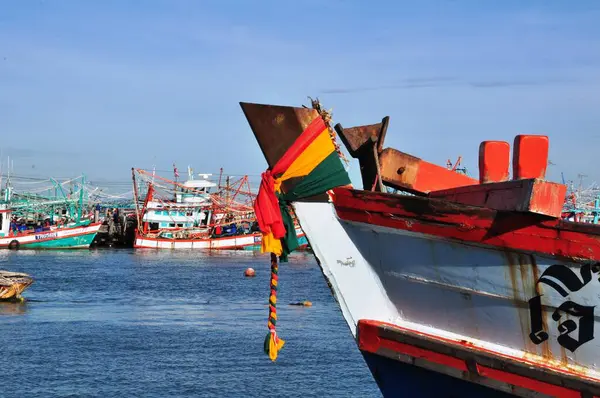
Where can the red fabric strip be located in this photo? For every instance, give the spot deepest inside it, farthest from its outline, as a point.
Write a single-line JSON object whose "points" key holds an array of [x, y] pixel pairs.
{"points": [[266, 206]]}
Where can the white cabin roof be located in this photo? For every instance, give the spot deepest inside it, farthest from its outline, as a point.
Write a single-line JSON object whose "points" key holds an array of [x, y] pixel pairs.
{"points": [[199, 184]]}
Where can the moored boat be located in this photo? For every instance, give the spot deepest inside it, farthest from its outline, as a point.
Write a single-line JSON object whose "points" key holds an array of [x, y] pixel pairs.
{"points": [[197, 214], [466, 287], [12, 284], [75, 235]]}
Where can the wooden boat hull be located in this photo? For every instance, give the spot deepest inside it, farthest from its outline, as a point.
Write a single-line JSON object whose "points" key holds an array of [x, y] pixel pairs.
{"points": [[13, 284], [457, 292], [477, 286], [238, 242], [79, 237]]}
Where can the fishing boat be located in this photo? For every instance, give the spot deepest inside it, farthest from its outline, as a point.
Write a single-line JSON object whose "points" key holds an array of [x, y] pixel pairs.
{"points": [[12, 284], [451, 285], [43, 223], [197, 214]]}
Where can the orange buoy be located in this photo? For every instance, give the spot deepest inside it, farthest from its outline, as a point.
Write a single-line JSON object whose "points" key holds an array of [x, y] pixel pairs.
{"points": [[249, 272]]}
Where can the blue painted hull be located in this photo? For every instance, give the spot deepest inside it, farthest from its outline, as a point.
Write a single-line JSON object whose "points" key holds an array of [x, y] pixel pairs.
{"points": [[398, 379]]}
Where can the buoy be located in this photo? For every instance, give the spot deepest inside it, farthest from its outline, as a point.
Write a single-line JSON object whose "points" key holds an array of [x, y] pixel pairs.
{"points": [[249, 272]]}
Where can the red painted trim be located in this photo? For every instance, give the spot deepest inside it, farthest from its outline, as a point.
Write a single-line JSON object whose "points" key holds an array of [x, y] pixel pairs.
{"points": [[370, 341], [138, 236], [526, 382], [507, 230]]}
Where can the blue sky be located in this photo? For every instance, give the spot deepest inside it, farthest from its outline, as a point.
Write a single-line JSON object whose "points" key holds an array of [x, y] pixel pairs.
{"points": [[99, 87]]}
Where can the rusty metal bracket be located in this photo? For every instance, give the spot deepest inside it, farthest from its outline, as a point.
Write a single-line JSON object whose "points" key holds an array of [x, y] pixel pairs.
{"points": [[365, 143], [378, 169]]}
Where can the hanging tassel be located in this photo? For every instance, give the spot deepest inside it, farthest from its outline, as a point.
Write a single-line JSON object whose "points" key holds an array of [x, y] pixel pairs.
{"points": [[273, 343]]}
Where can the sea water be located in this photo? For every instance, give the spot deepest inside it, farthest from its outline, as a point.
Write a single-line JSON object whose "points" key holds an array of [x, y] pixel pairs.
{"points": [[124, 323]]}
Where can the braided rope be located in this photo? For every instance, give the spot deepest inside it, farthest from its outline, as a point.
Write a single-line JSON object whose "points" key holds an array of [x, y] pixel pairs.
{"points": [[273, 343]]}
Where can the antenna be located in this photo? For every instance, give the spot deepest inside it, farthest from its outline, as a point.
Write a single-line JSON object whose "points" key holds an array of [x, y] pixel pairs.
{"points": [[581, 176]]}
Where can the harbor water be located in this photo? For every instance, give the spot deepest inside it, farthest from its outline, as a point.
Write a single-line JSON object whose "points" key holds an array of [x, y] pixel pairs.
{"points": [[115, 323]]}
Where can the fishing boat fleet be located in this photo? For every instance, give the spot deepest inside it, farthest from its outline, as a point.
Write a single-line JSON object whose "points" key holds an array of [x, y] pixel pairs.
{"points": [[196, 213]]}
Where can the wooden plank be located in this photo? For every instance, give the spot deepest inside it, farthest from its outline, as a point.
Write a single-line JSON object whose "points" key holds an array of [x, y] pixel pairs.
{"points": [[402, 171], [532, 195], [526, 232]]}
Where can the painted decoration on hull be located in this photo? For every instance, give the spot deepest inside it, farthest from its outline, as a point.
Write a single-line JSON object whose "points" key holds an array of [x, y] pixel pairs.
{"points": [[574, 321]]}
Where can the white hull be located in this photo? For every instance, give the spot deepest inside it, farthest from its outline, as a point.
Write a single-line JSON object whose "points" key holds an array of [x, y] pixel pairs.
{"points": [[69, 237], [453, 290], [239, 242], [220, 243]]}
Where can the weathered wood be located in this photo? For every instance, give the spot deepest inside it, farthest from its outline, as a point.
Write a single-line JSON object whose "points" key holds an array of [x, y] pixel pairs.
{"points": [[532, 195], [277, 127], [528, 232], [365, 143], [12, 284], [400, 170]]}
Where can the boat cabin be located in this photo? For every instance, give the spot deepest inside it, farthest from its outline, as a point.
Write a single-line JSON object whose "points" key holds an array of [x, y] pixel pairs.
{"points": [[190, 209], [5, 215]]}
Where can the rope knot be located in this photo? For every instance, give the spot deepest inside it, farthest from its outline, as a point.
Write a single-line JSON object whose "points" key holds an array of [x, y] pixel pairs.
{"points": [[272, 342]]}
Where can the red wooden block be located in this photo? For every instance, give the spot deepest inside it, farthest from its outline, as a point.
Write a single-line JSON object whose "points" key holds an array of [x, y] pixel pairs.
{"points": [[530, 156], [494, 159], [531, 196]]}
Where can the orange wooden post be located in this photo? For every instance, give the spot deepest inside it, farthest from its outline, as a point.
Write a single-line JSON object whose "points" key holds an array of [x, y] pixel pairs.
{"points": [[494, 160], [530, 156]]}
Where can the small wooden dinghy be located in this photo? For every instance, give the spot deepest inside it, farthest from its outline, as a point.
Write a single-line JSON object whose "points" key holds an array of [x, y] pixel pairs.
{"points": [[12, 284]]}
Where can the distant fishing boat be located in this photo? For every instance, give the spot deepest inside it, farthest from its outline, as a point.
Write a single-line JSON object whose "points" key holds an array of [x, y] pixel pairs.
{"points": [[74, 235], [454, 286], [69, 231], [197, 214], [12, 284]]}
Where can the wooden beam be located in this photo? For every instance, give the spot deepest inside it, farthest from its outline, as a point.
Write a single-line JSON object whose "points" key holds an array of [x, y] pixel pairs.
{"points": [[400, 170], [531, 195]]}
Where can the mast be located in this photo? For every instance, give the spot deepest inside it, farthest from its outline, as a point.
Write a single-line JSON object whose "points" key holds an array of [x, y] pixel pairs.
{"points": [[79, 210], [227, 191], [135, 199]]}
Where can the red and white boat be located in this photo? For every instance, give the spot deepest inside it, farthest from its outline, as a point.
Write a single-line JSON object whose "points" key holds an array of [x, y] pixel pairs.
{"points": [[197, 214], [466, 287]]}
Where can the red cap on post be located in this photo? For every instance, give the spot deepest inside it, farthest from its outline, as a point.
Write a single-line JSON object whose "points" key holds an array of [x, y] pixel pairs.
{"points": [[494, 161], [530, 156]]}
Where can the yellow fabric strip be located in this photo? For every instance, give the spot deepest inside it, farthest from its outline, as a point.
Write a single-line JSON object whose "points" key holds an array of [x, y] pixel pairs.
{"points": [[313, 155], [270, 244]]}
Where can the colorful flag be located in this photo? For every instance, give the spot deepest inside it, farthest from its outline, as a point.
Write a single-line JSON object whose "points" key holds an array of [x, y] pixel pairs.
{"points": [[175, 172], [314, 160]]}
